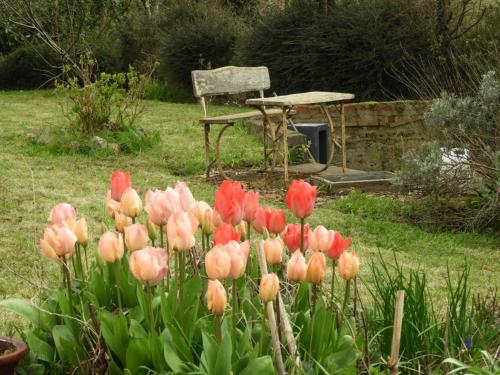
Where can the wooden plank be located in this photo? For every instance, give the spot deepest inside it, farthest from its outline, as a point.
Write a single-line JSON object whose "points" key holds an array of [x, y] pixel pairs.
{"points": [[230, 80], [312, 97], [232, 118], [396, 333]]}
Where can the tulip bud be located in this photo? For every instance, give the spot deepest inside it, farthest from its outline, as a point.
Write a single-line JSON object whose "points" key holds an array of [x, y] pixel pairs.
{"points": [[276, 221], [111, 247], [300, 198], [180, 232], [320, 239], [81, 231], [112, 206], [120, 182], [243, 229], [130, 203], [122, 221], [316, 268], [225, 233], [348, 265], [273, 249], [185, 196], [239, 255], [58, 242], [269, 287], [149, 265], [250, 205], [229, 202], [161, 204], [292, 237], [338, 246], [216, 297], [63, 213], [151, 230], [296, 267], [136, 237], [217, 263]]}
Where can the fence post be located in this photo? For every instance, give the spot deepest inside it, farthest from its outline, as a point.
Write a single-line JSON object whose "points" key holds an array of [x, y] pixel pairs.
{"points": [[392, 363]]}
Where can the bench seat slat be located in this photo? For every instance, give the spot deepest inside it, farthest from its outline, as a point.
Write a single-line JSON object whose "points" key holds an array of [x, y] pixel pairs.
{"points": [[232, 118]]}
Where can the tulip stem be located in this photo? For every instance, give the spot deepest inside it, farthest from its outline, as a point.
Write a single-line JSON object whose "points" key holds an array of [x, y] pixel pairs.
{"points": [[234, 309], [218, 322], [149, 294], [313, 299], [116, 270], [334, 263], [161, 237], [203, 242], [68, 284], [263, 331], [302, 235], [182, 265], [346, 295], [249, 228], [86, 257]]}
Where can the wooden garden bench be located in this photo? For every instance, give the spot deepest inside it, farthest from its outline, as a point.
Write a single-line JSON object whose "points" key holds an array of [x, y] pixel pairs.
{"points": [[228, 80]]}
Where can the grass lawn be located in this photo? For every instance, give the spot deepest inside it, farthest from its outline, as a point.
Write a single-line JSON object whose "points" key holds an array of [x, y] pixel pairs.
{"points": [[33, 180]]}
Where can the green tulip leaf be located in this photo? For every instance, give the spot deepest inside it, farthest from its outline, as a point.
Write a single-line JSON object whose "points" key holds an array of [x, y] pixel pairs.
{"points": [[28, 311], [43, 350], [68, 347], [261, 366]]}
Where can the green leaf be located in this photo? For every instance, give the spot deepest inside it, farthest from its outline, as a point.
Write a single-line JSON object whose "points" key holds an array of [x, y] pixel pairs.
{"points": [[69, 349], [28, 311], [115, 333], [136, 330], [260, 366], [209, 355], [137, 354], [42, 350], [169, 352], [224, 355]]}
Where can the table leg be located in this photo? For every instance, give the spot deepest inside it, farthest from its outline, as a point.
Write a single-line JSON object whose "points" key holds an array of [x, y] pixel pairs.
{"points": [[264, 140], [285, 142], [344, 151]]}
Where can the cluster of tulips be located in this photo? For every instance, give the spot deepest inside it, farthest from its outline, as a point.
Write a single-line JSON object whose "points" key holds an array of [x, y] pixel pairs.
{"points": [[169, 231]]}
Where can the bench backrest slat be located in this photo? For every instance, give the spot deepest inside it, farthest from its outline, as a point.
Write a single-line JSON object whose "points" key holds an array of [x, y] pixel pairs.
{"points": [[230, 80]]}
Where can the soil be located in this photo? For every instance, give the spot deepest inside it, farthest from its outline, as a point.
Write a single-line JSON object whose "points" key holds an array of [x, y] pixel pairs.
{"points": [[6, 348]]}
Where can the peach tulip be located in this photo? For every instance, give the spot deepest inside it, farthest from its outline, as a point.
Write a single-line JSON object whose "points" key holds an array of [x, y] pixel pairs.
{"points": [[239, 256], [229, 202], [185, 196], [217, 219], [348, 265], [112, 206], [122, 221], [63, 213], [58, 242], [203, 213], [217, 263], [292, 237], [300, 198], [149, 265], [250, 205], [131, 204], [152, 232], [316, 268], [320, 239], [243, 229], [110, 247], [338, 246], [225, 233], [216, 297], [120, 182], [161, 204], [296, 268], [81, 231], [136, 236], [273, 249], [180, 232], [269, 287]]}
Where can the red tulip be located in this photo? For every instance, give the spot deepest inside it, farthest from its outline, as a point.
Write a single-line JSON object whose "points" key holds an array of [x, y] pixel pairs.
{"points": [[300, 198], [260, 222], [250, 205], [271, 219], [229, 202], [292, 237], [225, 233], [120, 182], [338, 246], [149, 265]]}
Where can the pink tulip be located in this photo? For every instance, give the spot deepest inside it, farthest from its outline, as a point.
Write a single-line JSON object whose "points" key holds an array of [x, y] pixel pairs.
{"points": [[136, 236], [81, 231], [130, 204], [120, 182], [217, 263], [180, 232], [149, 265], [348, 265], [239, 256], [194, 222], [122, 221], [216, 297], [185, 196], [199, 211], [338, 246], [229, 202], [316, 268], [63, 213], [58, 242], [161, 204], [111, 247], [300, 198], [296, 268], [269, 287], [320, 239], [250, 205], [225, 233], [273, 249], [292, 237]]}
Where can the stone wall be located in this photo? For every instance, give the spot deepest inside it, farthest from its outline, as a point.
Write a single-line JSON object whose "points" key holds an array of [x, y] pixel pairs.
{"points": [[377, 133]]}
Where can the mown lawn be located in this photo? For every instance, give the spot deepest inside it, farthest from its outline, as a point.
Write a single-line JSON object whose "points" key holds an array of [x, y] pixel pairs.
{"points": [[33, 180]]}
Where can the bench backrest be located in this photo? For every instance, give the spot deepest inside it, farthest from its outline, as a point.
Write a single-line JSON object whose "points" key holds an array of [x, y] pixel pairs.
{"points": [[229, 80]]}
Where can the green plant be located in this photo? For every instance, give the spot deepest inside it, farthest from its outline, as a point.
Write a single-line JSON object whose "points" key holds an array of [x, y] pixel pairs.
{"points": [[490, 365]]}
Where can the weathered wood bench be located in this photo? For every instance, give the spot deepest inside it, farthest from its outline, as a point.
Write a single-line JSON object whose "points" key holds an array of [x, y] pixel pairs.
{"points": [[228, 80]]}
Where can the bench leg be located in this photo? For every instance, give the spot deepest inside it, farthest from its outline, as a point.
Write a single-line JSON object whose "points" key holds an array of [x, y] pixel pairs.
{"points": [[285, 142], [217, 147], [207, 151]]}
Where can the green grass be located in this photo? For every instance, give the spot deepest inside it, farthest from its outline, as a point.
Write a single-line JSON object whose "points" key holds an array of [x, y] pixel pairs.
{"points": [[33, 180]]}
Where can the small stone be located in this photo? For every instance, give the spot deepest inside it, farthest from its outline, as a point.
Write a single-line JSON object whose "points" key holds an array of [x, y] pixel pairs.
{"points": [[115, 147], [98, 142]]}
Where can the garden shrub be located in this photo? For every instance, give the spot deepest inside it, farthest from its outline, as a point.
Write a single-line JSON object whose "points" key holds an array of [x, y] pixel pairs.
{"points": [[195, 35], [459, 173]]}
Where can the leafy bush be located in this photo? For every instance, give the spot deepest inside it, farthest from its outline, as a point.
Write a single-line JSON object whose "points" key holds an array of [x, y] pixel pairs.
{"points": [[460, 172], [156, 90], [195, 35]]}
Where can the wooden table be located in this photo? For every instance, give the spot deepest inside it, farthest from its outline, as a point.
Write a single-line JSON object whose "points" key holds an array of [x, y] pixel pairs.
{"points": [[287, 103]]}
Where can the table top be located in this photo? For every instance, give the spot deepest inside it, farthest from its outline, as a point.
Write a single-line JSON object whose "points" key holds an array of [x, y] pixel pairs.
{"points": [[312, 97]]}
